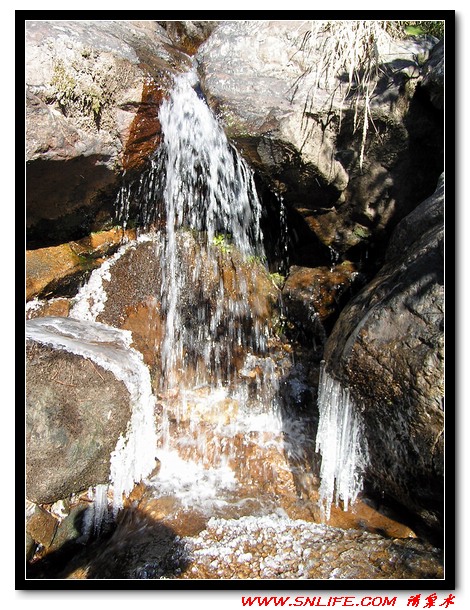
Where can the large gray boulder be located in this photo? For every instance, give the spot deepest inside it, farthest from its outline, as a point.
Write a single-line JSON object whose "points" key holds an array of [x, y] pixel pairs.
{"points": [[83, 384], [388, 349], [93, 90]]}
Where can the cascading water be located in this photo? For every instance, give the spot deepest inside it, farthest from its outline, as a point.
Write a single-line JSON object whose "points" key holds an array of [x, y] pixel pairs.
{"points": [[223, 441], [218, 386], [341, 442], [209, 191], [218, 381]]}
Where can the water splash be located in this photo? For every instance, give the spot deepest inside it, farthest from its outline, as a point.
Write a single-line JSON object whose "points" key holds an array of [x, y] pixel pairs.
{"points": [[341, 442]]}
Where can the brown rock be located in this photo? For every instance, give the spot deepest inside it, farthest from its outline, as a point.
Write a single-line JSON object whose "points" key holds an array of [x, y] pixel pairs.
{"points": [[59, 307], [59, 269], [309, 291], [49, 268], [145, 130], [189, 35], [93, 90], [75, 412], [387, 347], [134, 297], [42, 526]]}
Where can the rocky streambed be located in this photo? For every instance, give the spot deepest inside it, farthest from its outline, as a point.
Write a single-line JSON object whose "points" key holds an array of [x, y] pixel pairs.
{"points": [[268, 548]]}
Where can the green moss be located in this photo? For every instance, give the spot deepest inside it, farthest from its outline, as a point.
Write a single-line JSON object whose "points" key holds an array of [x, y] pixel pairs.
{"points": [[278, 279], [221, 241], [420, 28], [253, 259], [362, 232]]}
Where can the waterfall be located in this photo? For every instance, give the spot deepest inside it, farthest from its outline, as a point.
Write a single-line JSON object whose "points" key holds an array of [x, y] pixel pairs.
{"points": [[341, 442], [199, 199], [208, 192]]}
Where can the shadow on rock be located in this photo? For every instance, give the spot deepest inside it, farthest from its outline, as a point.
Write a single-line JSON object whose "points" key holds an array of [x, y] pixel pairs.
{"points": [[134, 547]]}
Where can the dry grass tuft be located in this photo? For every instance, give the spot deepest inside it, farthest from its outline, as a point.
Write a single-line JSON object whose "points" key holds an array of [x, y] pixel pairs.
{"points": [[345, 53]]}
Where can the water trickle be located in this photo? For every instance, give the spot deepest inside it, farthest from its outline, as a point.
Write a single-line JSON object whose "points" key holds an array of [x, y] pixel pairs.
{"points": [[334, 257], [341, 442]]}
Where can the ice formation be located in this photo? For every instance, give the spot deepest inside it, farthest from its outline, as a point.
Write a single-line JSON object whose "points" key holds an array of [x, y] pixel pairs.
{"points": [[341, 442], [134, 456]]}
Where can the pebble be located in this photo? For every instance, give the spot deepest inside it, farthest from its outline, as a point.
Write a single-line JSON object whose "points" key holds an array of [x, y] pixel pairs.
{"points": [[259, 547]]}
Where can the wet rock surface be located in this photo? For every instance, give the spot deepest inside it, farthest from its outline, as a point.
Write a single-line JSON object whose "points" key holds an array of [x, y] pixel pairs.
{"points": [[387, 347], [132, 283], [314, 296], [93, 96], [59, 270], [259, 77]]}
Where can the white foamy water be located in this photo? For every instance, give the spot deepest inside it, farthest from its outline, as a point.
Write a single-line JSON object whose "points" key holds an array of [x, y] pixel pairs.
{"points": [[190, 482], [341, 442]]}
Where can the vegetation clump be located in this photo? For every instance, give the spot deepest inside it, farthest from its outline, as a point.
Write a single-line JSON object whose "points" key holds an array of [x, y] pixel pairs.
{"points": [[70, 91]]}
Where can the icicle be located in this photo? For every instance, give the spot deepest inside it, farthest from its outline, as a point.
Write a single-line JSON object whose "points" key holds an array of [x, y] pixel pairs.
{"points": [[341, 442]]}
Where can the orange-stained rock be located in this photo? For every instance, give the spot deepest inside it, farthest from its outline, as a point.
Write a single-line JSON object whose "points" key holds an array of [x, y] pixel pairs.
{"points": [[54, 307], [42, 526], [145, 322], [313, 298], [47, 269], [102, 243], [59, 269], [145, 130], [309, 291]]}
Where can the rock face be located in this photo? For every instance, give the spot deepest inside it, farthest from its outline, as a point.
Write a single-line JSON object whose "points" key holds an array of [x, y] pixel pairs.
{"points": [[188, 35], [127, 292], [93, 89], [433, 80], [387, 347], [314, 296], [259, 77], [76, 411], [60, 269]]}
